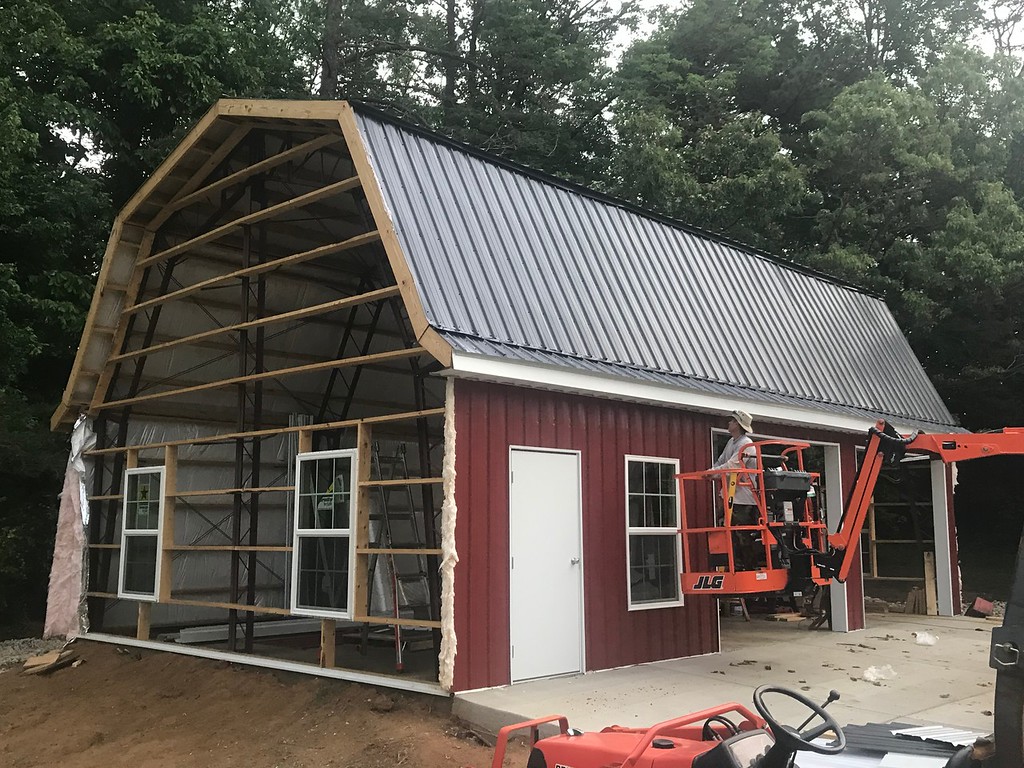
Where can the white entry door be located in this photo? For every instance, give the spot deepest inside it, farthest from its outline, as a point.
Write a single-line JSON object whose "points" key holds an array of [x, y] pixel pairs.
{"points": [[545, 545]]}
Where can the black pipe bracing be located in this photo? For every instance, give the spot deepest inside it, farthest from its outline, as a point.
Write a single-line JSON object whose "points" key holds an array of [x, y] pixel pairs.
{"points": [[365, 350], [346, 336], [249, 407]]}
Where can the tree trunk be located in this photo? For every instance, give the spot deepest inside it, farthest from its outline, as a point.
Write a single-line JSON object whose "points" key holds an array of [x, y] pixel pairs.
{"points": [[329, 50], [451, 70]]}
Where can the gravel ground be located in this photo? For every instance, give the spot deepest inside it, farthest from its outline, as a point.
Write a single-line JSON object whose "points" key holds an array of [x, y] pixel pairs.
{"points": [[14, 652]]}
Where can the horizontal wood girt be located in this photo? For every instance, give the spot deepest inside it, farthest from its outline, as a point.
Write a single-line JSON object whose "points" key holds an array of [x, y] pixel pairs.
{"points": [[401, 481], [252, 218], [269, 266], [228, 548], [283, 317], [344, 362], [233, 491], [228, 436], [306, 148], [229, 606]]}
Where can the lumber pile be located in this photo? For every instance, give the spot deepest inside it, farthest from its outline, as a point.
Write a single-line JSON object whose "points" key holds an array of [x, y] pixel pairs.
{"points": [[784, 617], [916, 602]]}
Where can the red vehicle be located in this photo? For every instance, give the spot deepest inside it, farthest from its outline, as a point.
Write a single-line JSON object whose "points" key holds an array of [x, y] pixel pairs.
{"points": [[727, 736], [788, 549]]}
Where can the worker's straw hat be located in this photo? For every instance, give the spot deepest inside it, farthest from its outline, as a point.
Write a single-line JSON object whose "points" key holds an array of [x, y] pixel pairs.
{"points": [[743, 419]]}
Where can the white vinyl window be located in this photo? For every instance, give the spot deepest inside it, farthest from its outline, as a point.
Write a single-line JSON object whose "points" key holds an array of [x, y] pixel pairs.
{"points": [[142, 512], [652, 532], [322, 554]]}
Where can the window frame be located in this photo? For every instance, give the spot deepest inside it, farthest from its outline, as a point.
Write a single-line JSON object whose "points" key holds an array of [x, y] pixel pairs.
{"points": [[651, 531], [299, 534], [136, 533]]}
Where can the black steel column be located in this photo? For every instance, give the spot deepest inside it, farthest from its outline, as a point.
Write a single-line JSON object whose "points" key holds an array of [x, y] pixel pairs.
{"points": [[249, 409]]}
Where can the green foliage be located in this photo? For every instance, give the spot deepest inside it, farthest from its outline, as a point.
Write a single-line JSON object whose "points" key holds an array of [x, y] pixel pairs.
{"points": [[871, 142], [92, 96], [31, 469], [525, 79]]}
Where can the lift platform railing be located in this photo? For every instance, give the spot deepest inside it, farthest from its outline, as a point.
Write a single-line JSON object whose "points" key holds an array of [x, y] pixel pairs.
{"points": [[730, 558]]}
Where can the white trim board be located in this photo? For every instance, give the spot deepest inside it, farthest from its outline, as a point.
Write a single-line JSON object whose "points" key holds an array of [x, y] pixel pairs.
{"points": [[366, 678], [581, 382]]}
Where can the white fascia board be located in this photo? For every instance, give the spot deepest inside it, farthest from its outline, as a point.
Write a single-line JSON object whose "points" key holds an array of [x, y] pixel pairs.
{"points": [[506, 371]]}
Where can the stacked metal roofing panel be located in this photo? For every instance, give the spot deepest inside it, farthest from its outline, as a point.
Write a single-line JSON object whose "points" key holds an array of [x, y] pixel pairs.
{"points": [[530, 265]]}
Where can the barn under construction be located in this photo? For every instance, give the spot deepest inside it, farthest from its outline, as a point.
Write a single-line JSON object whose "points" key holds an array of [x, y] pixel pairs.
{"points": [[360, 401]]}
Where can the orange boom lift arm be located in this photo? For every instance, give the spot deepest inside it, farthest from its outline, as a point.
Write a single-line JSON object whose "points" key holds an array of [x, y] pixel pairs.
{"points": [[886, 446]]}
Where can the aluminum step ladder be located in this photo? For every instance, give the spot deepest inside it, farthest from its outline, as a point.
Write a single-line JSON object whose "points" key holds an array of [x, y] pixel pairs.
{"points": [[399, 584]]}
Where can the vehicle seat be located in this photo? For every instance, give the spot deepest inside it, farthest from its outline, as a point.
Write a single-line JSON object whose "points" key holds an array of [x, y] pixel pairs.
{"points": [[739, 751]]}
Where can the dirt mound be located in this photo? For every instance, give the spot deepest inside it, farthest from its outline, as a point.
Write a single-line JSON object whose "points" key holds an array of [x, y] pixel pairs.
{"points": [[123, 706]]}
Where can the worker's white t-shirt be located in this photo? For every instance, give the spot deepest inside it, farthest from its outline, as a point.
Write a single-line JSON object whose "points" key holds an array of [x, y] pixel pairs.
{"points": [[730, 458]]}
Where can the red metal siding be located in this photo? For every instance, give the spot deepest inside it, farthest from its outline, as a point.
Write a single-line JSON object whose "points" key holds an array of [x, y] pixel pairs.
{"points": [[489, 418]]}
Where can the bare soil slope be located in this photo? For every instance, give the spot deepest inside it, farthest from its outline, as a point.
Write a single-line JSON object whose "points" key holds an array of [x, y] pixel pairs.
{"points": [[125, 707]]}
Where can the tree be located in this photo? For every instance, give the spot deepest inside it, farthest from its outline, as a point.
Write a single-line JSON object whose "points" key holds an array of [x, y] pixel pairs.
{"points": [[692, 141], [525, 79], [92, 95]]}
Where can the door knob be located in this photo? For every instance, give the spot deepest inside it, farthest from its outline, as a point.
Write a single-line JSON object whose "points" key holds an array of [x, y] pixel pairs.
{"points": [[574, 561]]}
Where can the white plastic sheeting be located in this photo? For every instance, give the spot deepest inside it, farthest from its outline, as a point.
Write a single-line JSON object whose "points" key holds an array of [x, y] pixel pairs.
{"points": [[207, 520]]}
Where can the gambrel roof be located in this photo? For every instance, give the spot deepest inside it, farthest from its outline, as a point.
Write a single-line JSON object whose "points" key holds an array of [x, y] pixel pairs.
{"points": [[512, 275], [514, 264]]}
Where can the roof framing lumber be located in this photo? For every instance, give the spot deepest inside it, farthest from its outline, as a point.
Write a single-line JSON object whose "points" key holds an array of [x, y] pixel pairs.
{"points": [[281, 158], [396, 354], [222, 438], [218, 156], [283, 317], [268, 266], [253, 218], [425, 335]]}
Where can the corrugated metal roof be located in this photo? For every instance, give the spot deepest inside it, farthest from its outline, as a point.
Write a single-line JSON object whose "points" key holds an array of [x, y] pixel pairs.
{"points": [[529, 263]]}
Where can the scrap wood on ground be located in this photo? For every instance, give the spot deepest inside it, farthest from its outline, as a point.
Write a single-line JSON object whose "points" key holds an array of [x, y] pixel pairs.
{"points": [[49, 662]]}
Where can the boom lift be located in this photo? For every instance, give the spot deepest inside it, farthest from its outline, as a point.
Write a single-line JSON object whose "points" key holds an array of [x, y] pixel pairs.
{"points": [[788, 548], [792, 549]]}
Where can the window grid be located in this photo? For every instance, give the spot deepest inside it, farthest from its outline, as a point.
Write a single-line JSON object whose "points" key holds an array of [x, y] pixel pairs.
{"points": [[142, 510], [652, 528], [322, 554]]}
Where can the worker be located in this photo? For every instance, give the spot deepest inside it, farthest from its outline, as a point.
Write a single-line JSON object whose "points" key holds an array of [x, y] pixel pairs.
{"points": [[739, 454]]}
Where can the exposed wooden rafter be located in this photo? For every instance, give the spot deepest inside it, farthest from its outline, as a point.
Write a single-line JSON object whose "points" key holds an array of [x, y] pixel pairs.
{"points": [[396, 354], [281, 158], [283, 317], [268, 266], [253, 218]]}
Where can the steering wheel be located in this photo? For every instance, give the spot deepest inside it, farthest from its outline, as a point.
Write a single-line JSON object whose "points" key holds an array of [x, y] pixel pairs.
{"points": [[791, 740], [708, 733]]}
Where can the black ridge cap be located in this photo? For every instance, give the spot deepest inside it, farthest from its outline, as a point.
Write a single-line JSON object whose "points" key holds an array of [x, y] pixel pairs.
{"points": [[693, 377], [603, 197]]}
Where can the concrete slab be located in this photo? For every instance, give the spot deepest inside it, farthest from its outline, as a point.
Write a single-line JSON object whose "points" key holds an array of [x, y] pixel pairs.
{"points": [[948, 683]]}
